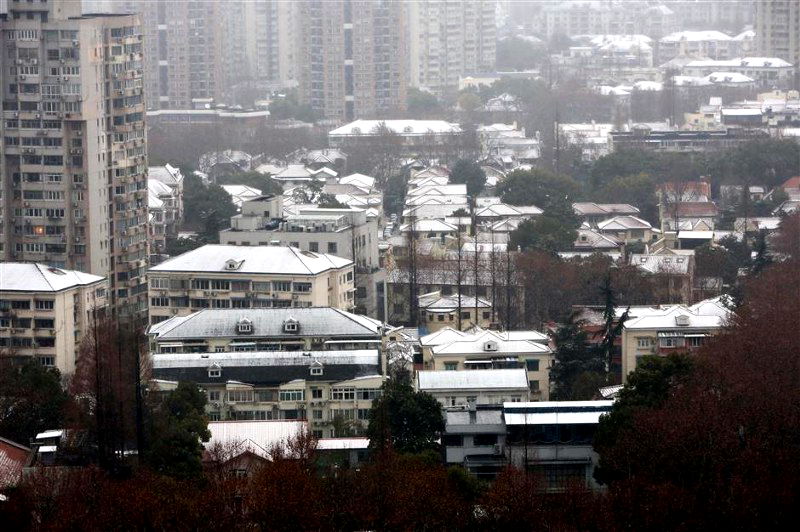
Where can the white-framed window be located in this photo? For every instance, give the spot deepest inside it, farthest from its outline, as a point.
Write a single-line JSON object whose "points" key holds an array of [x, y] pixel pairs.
{"points": [[644, 343], [343, 394], [45, 304], [291, 395], [450, 366], [316, 370], [159, 283], [240, 396], [214, 372], [213, 395]]}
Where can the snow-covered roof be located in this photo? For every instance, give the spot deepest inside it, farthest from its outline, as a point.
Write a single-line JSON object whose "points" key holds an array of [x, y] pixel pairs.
{"points": [[677, 317], [252, 259], [589, 208], [729, 77], [623, 223], [342, 444], [661, 263], [33, 277], [435, 302], [359, 180], [167, 174], [399, 127], [266, 322], [429, 226], [241, 193], [555, 412], [739, 62], [258, 437], [456, 189], [478, 379], [696, 36], [477, 343], [444, 335]]}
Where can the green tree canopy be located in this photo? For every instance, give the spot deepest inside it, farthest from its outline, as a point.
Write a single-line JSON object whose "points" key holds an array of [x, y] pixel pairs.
{"points": [[208, 208], [514, 53], [638, 190], [545, 233], [422, 104], [252, 179], [31, 399], [288, 106], [469, 172], [550, 192], [579, 367], [177, 426], [403, 419]]}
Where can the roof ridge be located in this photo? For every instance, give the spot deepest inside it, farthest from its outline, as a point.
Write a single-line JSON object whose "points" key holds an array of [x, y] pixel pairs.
{"points": [[46, 280]]}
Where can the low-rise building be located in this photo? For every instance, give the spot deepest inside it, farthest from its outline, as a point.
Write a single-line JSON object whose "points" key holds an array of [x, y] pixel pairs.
{"points": [[475, 439], [240, 277], [333, 390], [593, 213], [413, 137], [349, 233], [768, 72], [45, 312], [477, 387], [441, 311], [496, 350], [264, 329], [672, 329], [553, 440], [627, 229]]}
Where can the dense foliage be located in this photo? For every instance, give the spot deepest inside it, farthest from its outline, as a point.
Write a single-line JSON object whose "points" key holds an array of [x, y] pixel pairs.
{"points": [[31, 399]]}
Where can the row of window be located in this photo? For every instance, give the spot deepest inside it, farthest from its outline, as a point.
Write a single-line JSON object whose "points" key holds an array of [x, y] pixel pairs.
{"points": [[250, 396], [25, 323], [25, 304]]}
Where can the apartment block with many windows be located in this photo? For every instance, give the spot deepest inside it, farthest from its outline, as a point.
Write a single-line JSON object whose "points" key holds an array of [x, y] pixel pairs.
{"points": [[45, 312], [238, 277], [73, 190]]}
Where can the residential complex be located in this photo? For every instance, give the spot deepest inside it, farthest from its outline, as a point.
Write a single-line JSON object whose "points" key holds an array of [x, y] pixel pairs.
{"points": [[239, 277], [778, 29], [45, 312], [182, 50], [449, 40], [477, 387], [74, 155], [351, 58]]}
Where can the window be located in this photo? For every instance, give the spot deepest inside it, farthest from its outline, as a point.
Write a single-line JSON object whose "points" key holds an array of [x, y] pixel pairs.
{"points": [[534, 386], [453, 440], [363, 414], [47, 361], [316, 370], [245, 326], [45, 304], [291, 395], [316, 393], [313, 246], [671, 341], [218, 284], [643, 343], [332, 248], [21, 305], [282, 286], [159, 283], [302, 287], [265, 396], [450, 366], [213, 396], [696, 341], [368, 394], [159, 301], [343, 394], [200, 284], [440, 317], [316, 414], [214, 372], [240, 396], [465, 315], [483, 440], [532, 364], [290, 325], [486, 315]]}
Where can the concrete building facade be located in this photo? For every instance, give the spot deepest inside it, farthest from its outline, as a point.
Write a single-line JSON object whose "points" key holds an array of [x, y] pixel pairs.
{"points": [[217, 276], [73, 180], [351, 61], [778, 30], [45, 312], [448, 40]]}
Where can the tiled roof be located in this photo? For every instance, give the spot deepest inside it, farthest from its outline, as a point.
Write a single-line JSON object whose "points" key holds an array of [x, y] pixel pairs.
{"points": [[31, 277], [252, 259]]}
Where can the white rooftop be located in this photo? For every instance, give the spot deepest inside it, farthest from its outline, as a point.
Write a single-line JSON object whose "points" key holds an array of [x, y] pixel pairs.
{"points": [[252, 259], [259, 437], [32, 277], [400, 127], [478, 379], [696, 36]]}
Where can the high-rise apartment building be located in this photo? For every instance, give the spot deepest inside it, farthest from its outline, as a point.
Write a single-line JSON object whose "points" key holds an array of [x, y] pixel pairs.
{"points": [[352, 58], [449, 39], [778, 29], [73, 188], [183, 40]]}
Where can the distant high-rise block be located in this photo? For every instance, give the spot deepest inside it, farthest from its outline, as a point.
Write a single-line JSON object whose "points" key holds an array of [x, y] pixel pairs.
{"points": [[73, 189], [778, 29], [352, 60], [449, 39]]}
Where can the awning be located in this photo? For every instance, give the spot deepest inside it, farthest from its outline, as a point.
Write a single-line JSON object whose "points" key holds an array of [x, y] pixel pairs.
{"points": [[670, 334], [477, 362]]}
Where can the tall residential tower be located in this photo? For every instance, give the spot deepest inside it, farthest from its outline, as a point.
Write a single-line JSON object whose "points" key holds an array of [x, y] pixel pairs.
{"points": [[73, 188], [352, 58], [778, 29]]}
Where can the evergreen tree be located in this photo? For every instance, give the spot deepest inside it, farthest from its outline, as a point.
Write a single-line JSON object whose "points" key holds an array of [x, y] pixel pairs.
{"points": [[31, 399]]}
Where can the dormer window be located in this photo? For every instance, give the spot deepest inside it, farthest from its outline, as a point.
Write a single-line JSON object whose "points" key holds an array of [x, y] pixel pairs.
{"points": [[682, 320], [316, 369], [233, 264], [214, 371], [245, 326], [291, 325]]}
